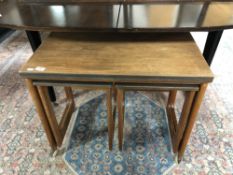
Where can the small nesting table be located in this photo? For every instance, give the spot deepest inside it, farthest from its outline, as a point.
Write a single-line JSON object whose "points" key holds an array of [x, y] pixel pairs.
{"points": [[117, 62]]}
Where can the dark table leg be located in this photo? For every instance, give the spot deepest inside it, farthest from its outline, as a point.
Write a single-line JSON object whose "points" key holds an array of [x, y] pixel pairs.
{"points": [[35, 41], [4, 33], [52, 94], [211, 45]]}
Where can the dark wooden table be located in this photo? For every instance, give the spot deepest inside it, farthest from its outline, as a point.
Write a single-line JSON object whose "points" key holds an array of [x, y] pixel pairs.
{"points": [[119, 16], [212, 16]]}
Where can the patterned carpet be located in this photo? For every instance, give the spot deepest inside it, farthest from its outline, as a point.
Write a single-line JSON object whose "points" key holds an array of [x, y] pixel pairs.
{"points": [[147, 146], [23, 145]]}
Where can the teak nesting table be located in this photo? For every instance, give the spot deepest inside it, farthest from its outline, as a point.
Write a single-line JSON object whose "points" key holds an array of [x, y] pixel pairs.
{"points": [[118, 62]]}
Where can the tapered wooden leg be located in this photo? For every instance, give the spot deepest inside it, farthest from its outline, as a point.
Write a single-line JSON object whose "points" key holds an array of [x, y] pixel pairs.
{"points": [[114, 94], [191, 120], [189, 96], [172, 98], [70, 107], [172, 118], [69, 94], [43, 92], [110, 119], [120, 103], [41, 112]]}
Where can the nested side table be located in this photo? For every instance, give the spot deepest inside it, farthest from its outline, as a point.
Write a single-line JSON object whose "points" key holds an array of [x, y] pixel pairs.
{"points": [[56, 131], [122, 61], [179, 131]]}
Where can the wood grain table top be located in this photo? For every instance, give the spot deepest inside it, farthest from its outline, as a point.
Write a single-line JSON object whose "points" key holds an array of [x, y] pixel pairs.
{"points": [[118, 57]]}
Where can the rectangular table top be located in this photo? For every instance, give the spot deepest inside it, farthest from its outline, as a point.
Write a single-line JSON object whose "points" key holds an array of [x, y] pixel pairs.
{"points": [[122, 57]]}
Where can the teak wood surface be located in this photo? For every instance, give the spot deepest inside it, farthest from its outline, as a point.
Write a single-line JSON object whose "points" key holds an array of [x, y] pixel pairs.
{"points": [[110, 57]]}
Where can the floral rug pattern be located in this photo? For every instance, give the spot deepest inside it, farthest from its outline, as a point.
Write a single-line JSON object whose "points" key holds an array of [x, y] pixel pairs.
{"points": [[147, 146]]}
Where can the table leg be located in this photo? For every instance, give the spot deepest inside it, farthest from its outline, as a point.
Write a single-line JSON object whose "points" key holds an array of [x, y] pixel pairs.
{"points": [[211, 45], [43, 92], [41, 112], [172, 98], [110, 118], [4, 33], [191, 120], [114, 94], [35, 41], [172, 117], [52, 95], [69, 109], [120, 103], [189, 96]]}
